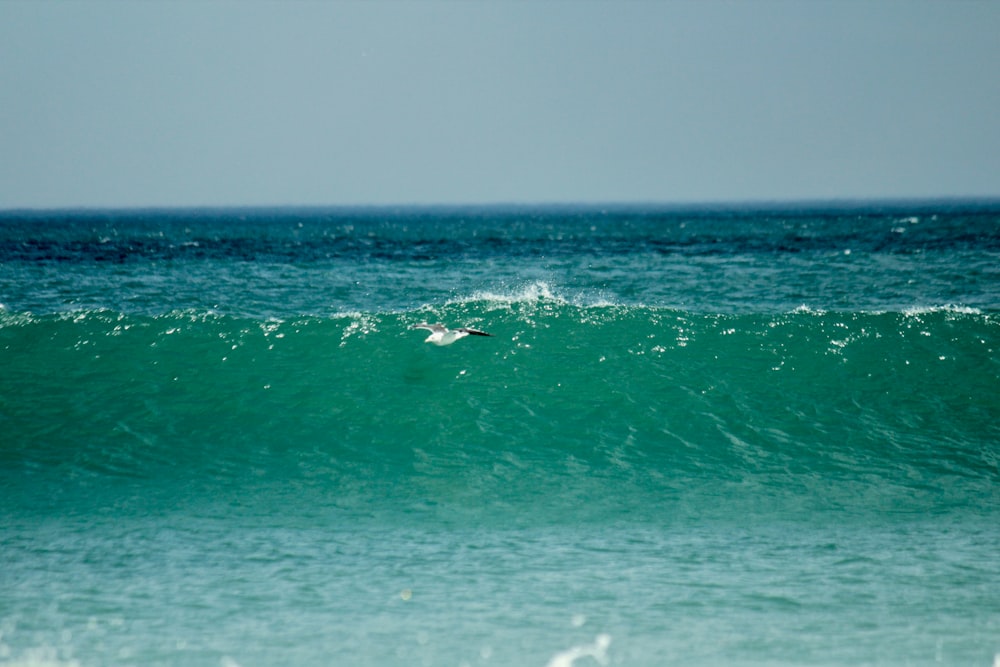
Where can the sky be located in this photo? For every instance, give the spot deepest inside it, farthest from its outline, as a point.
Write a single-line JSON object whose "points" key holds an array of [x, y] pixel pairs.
{"points": [[149, 104]]}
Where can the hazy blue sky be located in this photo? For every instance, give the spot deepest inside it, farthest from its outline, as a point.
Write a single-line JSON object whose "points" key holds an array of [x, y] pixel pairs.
{"points": [[219, 103]]}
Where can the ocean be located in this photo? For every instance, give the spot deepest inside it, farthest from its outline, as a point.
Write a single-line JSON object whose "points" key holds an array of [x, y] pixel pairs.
{"points": [[698, 435]]}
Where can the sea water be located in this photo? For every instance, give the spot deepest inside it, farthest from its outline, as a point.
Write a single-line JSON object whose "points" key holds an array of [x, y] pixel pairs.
{"points": [[698, 436]]}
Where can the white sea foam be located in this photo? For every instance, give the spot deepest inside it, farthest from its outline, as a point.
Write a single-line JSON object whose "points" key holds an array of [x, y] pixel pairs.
{"points": [[539, 292], [598, 651], [913, 311], [533, 292], [806, 310], [947, 308]]}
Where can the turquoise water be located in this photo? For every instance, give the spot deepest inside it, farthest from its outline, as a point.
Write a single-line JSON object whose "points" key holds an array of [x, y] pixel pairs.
{"points": [[697, 436]]}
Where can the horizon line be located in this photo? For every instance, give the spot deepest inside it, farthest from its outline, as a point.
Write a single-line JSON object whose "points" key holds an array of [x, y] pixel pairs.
{"points": [[722, 204]]}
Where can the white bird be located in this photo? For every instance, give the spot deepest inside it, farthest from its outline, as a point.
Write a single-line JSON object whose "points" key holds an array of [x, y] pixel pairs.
{"points": [[442, 335]]}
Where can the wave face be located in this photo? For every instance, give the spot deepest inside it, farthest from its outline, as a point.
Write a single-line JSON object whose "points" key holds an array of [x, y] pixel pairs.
{"points": [[696, 436], [611, 410]]}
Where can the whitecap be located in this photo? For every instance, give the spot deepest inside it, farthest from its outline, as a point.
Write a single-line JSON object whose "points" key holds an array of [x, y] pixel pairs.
{"points": [[598, 651], [916, 311], [532, 292], [806, 310]]}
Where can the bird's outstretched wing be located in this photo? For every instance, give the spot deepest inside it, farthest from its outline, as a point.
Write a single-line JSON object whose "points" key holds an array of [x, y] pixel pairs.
{"points": [[473, 332]]}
